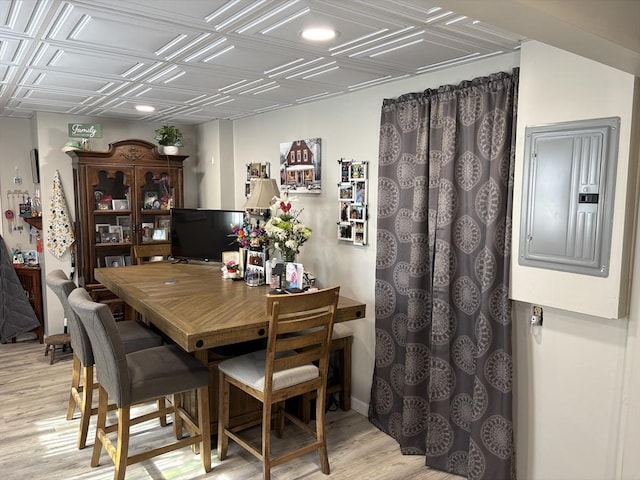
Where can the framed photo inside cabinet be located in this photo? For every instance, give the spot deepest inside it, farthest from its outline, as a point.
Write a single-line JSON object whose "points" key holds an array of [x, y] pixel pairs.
{"points": [[126, 234], [120, 204], [160, 234], [114, 261], [123, 221], [147, 231], [115, 233], [102, 232], [151, 201], [163, 222]]}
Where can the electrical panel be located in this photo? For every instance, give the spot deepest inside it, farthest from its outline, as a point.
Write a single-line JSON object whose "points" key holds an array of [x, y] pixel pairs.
{"points": [[568, 193]]}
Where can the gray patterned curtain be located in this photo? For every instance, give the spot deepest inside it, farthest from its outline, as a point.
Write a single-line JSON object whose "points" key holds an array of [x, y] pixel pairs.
{"points": [[442, 379]]}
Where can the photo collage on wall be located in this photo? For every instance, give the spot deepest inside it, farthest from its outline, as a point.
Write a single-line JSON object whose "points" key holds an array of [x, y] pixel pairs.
{"points": [[353, 197]]}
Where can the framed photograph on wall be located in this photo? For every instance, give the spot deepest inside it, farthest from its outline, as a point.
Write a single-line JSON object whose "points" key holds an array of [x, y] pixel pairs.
{"points": [[346, 191], [300, 166], [345, 232]]}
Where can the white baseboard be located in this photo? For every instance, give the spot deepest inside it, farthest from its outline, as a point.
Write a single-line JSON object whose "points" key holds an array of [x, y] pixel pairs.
{"points": [[360, 407]]}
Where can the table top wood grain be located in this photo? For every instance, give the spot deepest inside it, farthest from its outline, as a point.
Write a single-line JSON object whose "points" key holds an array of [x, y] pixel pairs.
{"points": [[195, 307]]}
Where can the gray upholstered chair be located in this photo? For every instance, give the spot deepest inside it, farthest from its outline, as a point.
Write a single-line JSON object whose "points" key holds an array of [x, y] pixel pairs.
{"points": [[135, 336], [131, 378], [300, 328]]}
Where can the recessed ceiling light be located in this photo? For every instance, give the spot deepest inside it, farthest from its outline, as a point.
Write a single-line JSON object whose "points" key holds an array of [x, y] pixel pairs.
{"points": [[145, 108], [319, 34]]}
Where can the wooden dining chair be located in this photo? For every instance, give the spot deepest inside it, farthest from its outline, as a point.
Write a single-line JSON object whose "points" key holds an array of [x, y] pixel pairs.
{"points": [[128, 379], [294, 363], [151, 252], [135, 336]]}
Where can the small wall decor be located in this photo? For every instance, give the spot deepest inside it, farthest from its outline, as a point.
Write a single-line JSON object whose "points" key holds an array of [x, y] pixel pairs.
{"points": [[352, 200], [255, 171], [300, 166]]}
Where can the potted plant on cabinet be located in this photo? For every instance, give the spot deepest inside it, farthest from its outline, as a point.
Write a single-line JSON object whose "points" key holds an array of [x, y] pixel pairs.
{"points": [[170, 137]]}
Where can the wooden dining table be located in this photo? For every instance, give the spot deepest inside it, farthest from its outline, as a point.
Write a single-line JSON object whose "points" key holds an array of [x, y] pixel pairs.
{"points": [[195, 307]]}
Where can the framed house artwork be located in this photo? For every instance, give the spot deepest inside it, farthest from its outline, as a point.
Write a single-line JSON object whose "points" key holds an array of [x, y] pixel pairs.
{"points": [[353, 195], [300, 166]]}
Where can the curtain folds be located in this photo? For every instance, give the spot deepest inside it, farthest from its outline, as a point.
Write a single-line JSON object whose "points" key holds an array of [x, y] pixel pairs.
{"points": [[442, 383]]}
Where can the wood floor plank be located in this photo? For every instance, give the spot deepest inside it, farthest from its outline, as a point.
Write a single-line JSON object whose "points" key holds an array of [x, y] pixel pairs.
{"points": [[37, 442]]}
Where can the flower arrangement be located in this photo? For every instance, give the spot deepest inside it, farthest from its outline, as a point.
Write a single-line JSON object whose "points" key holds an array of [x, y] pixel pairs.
{"points": [[231, 266], [249, 235], [284, 230], [230, 269]]}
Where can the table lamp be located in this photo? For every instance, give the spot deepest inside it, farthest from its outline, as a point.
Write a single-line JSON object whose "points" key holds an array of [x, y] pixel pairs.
{"points": [[263, 192]]}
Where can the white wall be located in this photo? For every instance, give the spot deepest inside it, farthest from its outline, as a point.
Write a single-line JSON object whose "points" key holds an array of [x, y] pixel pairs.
{"points": [[570, 377], [587, 90], [215, 169], [348, 126], [577, 399], [16, 141]]}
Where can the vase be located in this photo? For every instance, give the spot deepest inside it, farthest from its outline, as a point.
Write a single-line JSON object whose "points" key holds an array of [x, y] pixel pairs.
{"points": [[288, 257], [170, 150]]}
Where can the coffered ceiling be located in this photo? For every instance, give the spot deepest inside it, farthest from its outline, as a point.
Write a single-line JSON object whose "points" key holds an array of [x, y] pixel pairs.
{"points": [[199, 60]]}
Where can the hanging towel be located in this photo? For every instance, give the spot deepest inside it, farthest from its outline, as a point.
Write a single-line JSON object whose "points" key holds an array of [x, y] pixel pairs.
{"points": [[60, 236]]}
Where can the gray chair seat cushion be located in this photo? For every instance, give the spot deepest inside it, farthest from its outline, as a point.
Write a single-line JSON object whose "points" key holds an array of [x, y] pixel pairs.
{"points": [[164, 370], [249, 369], [136, 336]]}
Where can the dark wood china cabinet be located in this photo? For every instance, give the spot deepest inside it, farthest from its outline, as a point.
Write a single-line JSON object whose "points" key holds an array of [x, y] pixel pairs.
{"points": [[122, 198]]}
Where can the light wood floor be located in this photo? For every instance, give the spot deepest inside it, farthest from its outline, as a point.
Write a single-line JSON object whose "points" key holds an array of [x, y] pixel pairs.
{"points": [[36, 442]]}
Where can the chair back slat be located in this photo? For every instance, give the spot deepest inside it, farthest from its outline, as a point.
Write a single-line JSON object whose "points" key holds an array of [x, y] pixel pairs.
{"points": [[299, 342], [299, 359], [144, 253], [58, 281], [106, 342]]}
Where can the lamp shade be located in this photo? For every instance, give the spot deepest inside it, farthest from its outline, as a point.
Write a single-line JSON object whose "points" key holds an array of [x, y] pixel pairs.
{"points": [[263, 191]]}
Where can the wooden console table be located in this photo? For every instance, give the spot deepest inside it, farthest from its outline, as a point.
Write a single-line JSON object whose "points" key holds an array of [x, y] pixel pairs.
{"points": [[30, 278]]}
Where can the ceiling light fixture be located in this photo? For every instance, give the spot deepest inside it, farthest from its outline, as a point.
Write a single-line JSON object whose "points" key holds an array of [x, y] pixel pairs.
{"points": [[145, 108], [319, 34]]}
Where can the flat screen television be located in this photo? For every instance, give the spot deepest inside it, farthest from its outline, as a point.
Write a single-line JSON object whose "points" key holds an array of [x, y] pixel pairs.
{"points": [[198, 234]]}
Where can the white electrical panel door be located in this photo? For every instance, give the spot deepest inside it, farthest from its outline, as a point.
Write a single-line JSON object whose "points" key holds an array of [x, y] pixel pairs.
{"points": [[568, 187]]}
